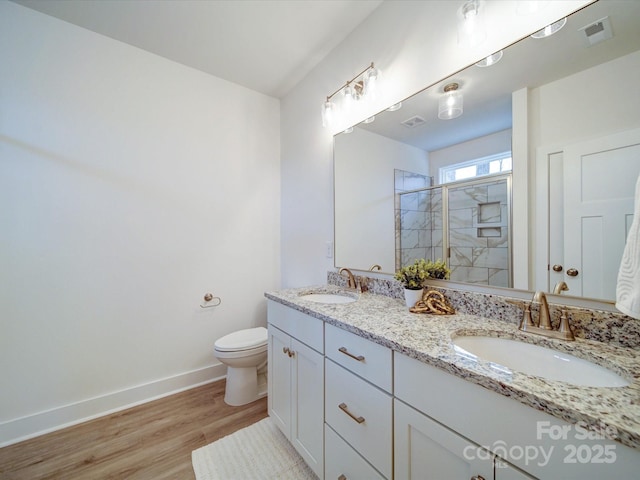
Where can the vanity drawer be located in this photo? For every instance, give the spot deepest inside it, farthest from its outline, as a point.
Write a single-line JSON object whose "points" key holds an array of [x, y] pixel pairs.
{"points": [[365, 358], [361, 414], [342, 461], [303, 327]]}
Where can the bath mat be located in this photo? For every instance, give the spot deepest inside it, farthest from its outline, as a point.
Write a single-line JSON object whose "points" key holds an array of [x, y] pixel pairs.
{"points": [[257, 452]]}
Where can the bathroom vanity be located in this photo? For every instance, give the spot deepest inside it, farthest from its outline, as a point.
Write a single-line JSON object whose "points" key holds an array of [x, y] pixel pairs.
{"points": [[366, 389]]}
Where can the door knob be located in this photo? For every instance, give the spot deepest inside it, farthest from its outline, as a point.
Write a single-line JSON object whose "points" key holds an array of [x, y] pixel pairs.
{"points": [[572, 272], [557, 268], [477, 477]]}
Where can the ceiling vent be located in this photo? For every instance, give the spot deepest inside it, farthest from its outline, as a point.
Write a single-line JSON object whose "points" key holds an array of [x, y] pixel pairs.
{"points": [[597, 32], [414, 122]]}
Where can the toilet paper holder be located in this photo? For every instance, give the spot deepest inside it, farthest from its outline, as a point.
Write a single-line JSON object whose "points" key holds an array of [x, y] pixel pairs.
{"points": [[208, 298]]}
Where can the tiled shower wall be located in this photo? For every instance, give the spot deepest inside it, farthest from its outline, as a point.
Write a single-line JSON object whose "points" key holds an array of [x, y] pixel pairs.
{"points": [[478, 218], [479, 233], [414, 223]]}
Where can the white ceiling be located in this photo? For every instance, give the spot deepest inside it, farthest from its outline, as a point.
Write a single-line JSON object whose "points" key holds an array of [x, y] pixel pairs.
{"points": [[529, 63], [264, 45]]}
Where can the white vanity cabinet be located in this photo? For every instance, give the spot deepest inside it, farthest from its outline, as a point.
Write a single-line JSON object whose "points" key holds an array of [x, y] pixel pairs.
{"points": [[343, 462], [354, 409], [424, 449], [466, 412], [358, 406], [296, 381]]}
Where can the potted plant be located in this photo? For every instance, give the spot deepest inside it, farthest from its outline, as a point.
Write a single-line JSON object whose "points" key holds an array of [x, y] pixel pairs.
{"points": [[413, 277], [437, 269]]}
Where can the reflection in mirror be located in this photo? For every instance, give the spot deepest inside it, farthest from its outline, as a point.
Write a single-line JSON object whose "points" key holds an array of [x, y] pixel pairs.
{"points": [[578, 86], [469, 220]]}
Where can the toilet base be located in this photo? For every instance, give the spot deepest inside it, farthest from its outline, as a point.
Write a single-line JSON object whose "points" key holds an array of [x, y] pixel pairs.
{"points": [[244, 385]]}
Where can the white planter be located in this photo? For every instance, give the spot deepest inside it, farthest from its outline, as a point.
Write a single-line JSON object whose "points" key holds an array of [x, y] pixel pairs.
{"points": [[412, 296]]}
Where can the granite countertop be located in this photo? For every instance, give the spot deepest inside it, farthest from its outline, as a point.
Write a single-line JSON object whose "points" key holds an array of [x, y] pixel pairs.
{"points": [[428, 338]]}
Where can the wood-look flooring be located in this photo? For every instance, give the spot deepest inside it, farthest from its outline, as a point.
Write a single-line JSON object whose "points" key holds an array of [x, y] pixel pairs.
{"points": [[153, 441]]}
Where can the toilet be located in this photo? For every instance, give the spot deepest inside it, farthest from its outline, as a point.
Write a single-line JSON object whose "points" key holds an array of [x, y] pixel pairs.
{"points": [[245, 354]]}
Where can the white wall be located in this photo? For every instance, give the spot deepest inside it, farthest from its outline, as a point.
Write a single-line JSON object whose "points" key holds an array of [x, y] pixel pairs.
{"points": [[129, 186], [565, 112], [493, 144], [415, 45], [364, 180]]}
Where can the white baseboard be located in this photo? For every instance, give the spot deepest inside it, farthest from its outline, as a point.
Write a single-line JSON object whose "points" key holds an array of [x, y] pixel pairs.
{"points": [[19, 429]]}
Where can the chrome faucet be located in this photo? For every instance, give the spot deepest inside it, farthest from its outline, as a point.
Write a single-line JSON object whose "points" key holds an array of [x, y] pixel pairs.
{"points": [[543, 327], [350, 278]]}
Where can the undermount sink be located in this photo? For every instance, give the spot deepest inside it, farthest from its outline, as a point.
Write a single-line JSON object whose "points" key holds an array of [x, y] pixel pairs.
{"points": [[537, 360], [328, 298]]}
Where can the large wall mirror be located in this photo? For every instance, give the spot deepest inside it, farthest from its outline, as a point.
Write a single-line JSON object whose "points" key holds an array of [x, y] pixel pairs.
{"points": [[582, 129]]}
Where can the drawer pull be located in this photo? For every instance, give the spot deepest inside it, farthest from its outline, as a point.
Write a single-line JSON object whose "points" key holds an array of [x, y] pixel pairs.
{"points": [[343, 407], [342, 477], [344, 350]]}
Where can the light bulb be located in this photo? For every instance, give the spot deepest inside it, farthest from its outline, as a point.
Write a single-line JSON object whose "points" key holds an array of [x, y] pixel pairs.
{"points": [[450, 104], [348, 96], [371, 81], [327, 113], [550, 29], [471, 29], [394, 107], [490, 60]]}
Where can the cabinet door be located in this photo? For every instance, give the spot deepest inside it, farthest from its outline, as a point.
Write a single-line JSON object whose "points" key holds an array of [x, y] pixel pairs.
{"points": [[308, 405], [279, 379], [425, 450], [343, 462]]}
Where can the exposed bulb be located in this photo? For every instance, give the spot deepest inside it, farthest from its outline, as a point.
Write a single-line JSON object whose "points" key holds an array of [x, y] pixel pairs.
{"points": [[371, 81], [550, 29], [348, 93], [490, 60], [327, 113], [471, 29]]}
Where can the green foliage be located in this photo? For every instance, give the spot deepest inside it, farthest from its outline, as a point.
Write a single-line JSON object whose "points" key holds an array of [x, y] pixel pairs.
{"points": [[413, 276]]}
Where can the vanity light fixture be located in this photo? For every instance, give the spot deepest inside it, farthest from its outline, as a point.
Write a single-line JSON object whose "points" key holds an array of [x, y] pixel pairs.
{"points": [[490, 60], [550, 29], [450, 104], [471, 28], [363, 84]]}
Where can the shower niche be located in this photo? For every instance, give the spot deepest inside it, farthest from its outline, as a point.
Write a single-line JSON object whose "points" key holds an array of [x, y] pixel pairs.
{"points": [[467, 224]]}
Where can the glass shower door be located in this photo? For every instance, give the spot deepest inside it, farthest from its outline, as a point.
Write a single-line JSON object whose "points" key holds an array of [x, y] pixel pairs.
{"points": [[477, 222]]}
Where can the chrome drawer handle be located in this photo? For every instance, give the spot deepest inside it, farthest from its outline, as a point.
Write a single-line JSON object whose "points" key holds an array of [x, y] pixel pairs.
{"points": [[344, 350], [343, 407]]}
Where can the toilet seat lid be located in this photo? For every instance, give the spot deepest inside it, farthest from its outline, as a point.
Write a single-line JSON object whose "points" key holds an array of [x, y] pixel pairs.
{"points": [[242, 340]]}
